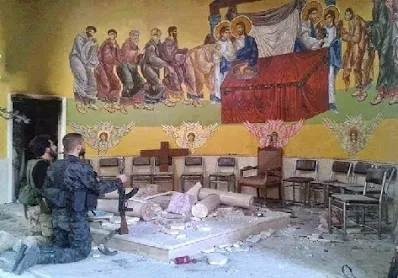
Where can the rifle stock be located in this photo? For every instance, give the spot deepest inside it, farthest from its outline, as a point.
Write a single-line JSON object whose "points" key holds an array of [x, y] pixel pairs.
{"points": [[123, 198]]}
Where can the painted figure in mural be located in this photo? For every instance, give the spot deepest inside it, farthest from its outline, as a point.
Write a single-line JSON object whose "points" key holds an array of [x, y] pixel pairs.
{"points": [[245, 47], [333, 43], [203, 62], [359, 55], [103, 144], [225, 58], [83, 61], [133, 83], [108, 83], [307, 37], [177, 59], [151, 64], [381, 33]]}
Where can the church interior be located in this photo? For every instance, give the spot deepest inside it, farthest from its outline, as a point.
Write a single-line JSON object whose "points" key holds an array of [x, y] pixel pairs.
{"points": [[257, 135]]}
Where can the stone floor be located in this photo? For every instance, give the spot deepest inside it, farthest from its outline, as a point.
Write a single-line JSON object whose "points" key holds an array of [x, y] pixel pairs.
{"points": [[291, 252]]}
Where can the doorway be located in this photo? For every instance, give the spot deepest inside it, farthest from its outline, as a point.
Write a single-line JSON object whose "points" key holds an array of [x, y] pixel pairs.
{"points": [[45, 114]]}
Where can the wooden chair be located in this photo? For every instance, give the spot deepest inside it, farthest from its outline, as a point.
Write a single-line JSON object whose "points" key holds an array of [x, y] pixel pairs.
{"points": [[163, 177], [110, 167], [305, 172], [142, 170], [194, 170], [225, 173], [346, 202], [269, 172]]}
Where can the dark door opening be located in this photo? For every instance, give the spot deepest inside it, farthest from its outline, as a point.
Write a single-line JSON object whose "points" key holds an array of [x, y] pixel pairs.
{"points": [[44, 114]]}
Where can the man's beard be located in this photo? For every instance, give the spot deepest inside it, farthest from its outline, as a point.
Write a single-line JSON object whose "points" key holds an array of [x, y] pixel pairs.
{"points": [[82, 152], [175, 38], [136, 41]]}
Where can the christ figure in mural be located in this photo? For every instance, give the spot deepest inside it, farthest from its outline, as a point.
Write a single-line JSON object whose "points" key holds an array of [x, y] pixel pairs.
{"points": [[108, 83], [245, 47], [83, 61]]}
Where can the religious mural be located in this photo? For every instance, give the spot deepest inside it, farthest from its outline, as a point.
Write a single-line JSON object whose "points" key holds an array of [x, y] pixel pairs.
{"points": [[103, 135], [354, 133], [305, 60], [190, 135], [274, 133]]}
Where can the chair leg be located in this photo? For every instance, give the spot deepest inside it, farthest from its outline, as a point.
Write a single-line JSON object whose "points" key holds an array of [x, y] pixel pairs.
{"points": [[182, 182], [379, 222], [345, 221], [294, 193], [325, 195], [330, 216], [282, 193], [258, 192]]}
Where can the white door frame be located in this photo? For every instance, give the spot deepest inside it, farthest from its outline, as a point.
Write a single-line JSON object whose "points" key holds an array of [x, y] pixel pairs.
{"points": [[61, 134]]}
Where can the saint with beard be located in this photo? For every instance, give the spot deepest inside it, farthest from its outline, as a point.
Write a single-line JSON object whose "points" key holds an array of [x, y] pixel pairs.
{"points": [[177, 59], [133, 83]]}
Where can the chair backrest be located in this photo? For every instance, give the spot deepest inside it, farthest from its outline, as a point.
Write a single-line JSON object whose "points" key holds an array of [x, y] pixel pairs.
{"points": [[375, 177], [110, 167], [269, 158], [391, 173], [306, 166], [360, 169], [86, 161], [141, 164], [194, 162], [226, 163], [341, 168]]}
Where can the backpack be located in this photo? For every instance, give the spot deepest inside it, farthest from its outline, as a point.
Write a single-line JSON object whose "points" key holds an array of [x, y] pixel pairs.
{"points": [[29, 194]]}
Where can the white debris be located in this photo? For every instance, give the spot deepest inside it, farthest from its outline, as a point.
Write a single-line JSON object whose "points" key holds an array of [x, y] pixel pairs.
{"points": [[266, 234], [208, 251], [7, 241], [254, 238], [216, 259], [181, 236]]}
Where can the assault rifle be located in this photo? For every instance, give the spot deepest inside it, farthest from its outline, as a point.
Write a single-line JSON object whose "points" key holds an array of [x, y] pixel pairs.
{"points": [[122, 230]]}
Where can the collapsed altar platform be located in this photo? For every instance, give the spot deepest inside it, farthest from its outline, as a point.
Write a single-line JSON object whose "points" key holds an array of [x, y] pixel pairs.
{"points": [[288, 87], [164, 226]]}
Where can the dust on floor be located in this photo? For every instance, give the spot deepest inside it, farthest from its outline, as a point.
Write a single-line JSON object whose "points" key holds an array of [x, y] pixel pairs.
{"points": [[291, 252]]}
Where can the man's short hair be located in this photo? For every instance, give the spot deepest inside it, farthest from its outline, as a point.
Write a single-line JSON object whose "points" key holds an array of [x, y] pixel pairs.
{"points": [[71, 140], [112, 31], [39, 144], [312, 10], [156, 32], [92, 28]]}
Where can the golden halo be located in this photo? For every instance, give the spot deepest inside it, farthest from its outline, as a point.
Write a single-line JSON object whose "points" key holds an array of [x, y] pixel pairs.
{"points": [[241, 19], [336, 13], [310, 5], [103, 131], [217, 29]]}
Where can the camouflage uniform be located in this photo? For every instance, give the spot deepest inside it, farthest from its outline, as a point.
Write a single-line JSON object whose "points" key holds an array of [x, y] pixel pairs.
{"points": [[39, 223], [77, 182]]}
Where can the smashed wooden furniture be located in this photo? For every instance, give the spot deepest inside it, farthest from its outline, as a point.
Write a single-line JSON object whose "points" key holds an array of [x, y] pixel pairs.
{"points": [[269, 170]]}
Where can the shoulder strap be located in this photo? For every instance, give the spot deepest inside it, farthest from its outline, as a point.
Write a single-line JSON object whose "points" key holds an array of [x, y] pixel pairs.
{"points": [[29, 171]]}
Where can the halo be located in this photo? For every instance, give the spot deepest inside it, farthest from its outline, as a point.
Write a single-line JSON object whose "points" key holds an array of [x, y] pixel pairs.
{"points": [[217, 29], [241, 19], [103, 131], [310, 5], [330, 8]]}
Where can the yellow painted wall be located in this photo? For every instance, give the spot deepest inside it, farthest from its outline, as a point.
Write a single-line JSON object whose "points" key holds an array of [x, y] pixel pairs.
{"points": [[50, 27]]}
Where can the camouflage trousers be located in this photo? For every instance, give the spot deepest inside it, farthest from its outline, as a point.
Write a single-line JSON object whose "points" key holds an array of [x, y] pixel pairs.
{"points": [[71, 239], [40, 224]]}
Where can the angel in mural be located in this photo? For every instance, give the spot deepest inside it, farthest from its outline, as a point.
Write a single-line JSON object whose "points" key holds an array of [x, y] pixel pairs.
{"points": [[274, 133], [83, 60], [190, 135], [103, 135], [353, 133]]}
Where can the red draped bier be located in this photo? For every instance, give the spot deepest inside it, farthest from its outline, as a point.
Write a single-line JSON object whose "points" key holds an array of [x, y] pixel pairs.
{"points": [[288, 87]]}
